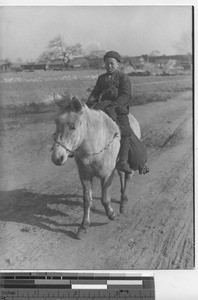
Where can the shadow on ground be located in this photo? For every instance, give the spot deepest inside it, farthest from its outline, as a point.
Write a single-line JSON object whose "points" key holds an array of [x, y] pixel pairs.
{"points": [[50, 212]]}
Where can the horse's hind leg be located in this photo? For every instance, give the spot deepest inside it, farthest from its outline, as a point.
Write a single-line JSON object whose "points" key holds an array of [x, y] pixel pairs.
{"points": [[124, 180], [106, 184], [87, 200]]}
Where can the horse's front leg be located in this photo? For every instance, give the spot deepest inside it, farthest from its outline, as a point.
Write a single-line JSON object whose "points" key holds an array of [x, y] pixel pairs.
{"points": [[124, 180], [87, 200], [106, 184]]}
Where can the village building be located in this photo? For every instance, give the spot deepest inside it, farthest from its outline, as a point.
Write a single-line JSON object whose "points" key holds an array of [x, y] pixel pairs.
{"points": [[4, 66]]}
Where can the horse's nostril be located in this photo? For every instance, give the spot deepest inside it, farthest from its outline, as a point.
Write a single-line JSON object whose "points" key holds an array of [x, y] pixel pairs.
{"points": [[61, 158]]}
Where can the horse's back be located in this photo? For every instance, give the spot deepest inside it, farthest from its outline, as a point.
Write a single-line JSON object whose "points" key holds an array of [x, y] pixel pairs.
{"points": [[135, 125]]}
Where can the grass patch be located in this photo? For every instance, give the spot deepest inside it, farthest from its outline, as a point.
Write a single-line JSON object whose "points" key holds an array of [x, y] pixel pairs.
{"points": [[159, 89], [25, 93]]}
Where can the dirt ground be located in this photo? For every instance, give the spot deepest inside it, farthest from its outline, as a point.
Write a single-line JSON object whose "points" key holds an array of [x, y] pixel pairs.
{"points": [[41, 204]]}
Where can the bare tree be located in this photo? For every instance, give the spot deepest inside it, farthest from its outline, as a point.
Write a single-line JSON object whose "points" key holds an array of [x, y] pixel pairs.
{"points": [[184, 45], [58, 49]]}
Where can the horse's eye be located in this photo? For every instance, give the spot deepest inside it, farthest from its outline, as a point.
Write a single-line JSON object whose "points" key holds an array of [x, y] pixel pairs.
{"points": [[72, 127]]}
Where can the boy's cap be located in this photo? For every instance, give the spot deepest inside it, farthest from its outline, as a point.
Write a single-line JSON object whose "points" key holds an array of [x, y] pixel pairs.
{"points": [[112, 54]]}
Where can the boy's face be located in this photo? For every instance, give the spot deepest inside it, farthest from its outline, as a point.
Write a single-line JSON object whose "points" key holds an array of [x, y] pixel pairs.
{"points": [[111, 65]]}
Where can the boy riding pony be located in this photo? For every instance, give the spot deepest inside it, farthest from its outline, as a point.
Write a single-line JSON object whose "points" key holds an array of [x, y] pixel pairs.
{"points": [[112, 94]]}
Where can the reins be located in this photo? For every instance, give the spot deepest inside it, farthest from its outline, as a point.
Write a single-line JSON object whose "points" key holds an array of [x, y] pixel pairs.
{"points": [[106, 147], [97, 99], [91, 154]]}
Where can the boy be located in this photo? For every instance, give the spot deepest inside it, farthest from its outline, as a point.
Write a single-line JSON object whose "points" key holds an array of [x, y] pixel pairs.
{"points": [[113, 89]]}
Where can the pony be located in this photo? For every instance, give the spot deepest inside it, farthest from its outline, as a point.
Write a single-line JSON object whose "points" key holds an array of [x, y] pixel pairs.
{"points": [[93, 139]]}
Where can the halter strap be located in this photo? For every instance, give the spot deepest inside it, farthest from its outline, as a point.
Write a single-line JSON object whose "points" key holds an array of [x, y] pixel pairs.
{"points": [[62, 145], [91, 154]]}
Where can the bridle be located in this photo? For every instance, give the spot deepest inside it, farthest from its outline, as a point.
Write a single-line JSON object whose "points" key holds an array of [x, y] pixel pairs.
{"points": [[59, 143]]}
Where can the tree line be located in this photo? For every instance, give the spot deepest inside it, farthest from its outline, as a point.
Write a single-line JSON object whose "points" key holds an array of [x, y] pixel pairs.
{"points": [[58, 49]]}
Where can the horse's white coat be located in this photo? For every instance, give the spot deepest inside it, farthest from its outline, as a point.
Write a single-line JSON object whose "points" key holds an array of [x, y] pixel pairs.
{"points": [[97, 153], [94, 139]]}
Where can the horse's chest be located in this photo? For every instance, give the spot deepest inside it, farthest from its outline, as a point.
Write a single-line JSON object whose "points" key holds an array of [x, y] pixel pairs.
{"points": [[94, 167], [91, 167]]}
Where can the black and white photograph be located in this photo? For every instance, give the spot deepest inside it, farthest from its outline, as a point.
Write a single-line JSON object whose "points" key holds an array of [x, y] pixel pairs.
{"points": [[96, 138]]}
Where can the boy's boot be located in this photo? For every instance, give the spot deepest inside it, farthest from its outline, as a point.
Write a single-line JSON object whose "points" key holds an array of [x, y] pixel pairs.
{"points": [[144, 169], [122, 165]]}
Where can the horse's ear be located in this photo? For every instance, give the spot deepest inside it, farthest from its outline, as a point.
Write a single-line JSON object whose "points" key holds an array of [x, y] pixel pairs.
{"points": [[76, 104], [62, 101]]}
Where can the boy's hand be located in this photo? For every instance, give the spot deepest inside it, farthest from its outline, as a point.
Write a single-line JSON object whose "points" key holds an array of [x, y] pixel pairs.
{"points": [[90, 102], [102, 105]]}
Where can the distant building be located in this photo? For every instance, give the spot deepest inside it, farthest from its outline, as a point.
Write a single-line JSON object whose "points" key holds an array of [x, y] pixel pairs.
{"points": [[55, 64], [41, 64], [28, 67], [4, 66], [16, 67], [95, 62], [78, 62]]}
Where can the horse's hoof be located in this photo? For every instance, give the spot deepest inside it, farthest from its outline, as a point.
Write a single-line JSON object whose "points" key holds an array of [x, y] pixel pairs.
{"points": [[123, 208], [112, 216], [129, 176], [81, 233]]}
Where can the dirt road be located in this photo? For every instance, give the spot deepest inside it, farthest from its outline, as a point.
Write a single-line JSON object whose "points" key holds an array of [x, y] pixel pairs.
{"points": [[41, 204]]}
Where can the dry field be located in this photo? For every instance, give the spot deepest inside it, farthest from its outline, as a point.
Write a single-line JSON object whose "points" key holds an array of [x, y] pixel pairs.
{"points": [[41, 204], [34, 89]]}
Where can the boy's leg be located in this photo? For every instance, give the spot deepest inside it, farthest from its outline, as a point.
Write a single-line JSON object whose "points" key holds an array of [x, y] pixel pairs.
{"points": [[122, 164], [111, 112]]}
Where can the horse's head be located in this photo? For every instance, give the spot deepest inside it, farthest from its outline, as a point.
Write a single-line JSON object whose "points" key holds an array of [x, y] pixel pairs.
{"points": [[69, 130]]}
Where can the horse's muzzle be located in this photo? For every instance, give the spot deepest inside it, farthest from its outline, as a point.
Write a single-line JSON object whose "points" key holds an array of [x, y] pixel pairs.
{"points": [[59, 157], [58, 161]]}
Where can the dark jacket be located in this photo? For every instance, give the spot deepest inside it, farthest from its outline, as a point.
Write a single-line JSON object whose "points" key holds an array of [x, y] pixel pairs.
{"points": [[116, 88]]}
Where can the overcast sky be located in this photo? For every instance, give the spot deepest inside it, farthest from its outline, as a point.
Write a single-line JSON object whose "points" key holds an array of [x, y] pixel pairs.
{"points": [[130, 30]]}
